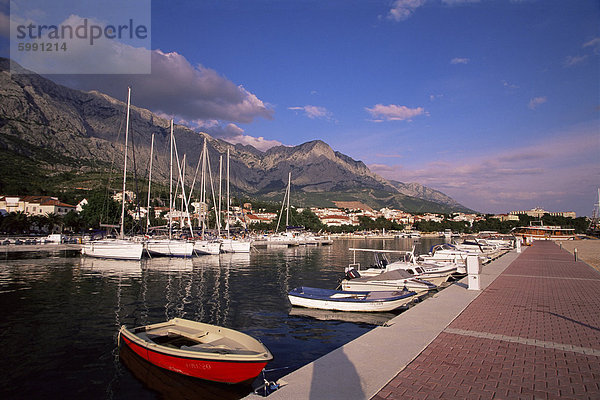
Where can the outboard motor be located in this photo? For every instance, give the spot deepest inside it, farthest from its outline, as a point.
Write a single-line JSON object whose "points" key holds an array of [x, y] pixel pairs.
{"points": [[352, 274]]}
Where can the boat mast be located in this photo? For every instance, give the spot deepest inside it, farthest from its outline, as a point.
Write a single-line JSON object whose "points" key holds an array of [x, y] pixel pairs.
{"points": [[228, 219], [203, 190], [149, 184], [287, 215], [122, 233], [285, 196], [171, 185], [181, 220], [220, 198]]}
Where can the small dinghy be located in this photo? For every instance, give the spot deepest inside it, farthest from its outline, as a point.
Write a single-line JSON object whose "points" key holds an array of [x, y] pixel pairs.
{"points": [[199, 350], [337, 300]]}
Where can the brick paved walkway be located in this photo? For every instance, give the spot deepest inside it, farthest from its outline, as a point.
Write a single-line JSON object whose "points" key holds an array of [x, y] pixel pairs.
{"points": [[534, 333]]}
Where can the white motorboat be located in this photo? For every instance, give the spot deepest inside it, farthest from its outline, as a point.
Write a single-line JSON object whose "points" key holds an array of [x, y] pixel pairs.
{"points": [[475, 245], [326, 299], [446, 252], [434, 272], [398, 279]]}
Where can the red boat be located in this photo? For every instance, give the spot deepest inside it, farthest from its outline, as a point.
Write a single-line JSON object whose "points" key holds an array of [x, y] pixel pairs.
{"points": [[199, 350]]}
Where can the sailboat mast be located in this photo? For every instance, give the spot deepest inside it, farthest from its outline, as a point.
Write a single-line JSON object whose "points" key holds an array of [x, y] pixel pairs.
{"points": [[203, 202], [220, 194], [287, 215], [228, 220], [149, 184], [171, 184], [122, 233]]}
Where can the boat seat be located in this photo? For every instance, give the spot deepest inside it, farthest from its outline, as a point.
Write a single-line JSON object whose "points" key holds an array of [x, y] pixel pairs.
{"points": [[208, 348], [192, 336]]}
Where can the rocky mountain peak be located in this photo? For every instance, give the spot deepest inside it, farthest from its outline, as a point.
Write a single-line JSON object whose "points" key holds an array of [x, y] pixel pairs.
{"points": [[61, 129]]}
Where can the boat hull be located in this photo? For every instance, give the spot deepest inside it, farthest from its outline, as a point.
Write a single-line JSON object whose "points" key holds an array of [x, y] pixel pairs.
{"points": [[203, 247], [235, 246], [354, 285], [169, 248], [118, 249], [216, 371], [349, 301], [216, 365]]}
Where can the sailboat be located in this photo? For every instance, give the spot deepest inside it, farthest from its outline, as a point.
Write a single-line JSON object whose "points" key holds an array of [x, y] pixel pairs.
{"points": [[230, 245], [168, 246], [204, 246], [120, 248]]}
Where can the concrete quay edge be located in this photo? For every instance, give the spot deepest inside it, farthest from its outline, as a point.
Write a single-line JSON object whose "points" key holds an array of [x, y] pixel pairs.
{"points": [[361, 368]]}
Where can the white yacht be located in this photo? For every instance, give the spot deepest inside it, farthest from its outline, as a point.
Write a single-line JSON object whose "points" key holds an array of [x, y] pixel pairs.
{"points": [[169, 247]]}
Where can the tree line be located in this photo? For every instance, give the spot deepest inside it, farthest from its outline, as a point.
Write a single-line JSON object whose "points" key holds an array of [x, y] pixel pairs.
{"points": [[103, 210]]}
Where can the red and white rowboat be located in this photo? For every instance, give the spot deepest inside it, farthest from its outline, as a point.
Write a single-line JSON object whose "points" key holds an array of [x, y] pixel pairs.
{"points": [[199, 350]]}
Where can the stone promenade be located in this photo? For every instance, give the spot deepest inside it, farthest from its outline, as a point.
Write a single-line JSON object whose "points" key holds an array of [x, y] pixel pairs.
{"points": [[534, 333]]}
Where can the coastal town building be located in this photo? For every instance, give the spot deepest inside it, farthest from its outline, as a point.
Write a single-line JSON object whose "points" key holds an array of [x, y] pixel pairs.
{"points": [[129, 196], [539, 212], [506, 217], [35, 205]]}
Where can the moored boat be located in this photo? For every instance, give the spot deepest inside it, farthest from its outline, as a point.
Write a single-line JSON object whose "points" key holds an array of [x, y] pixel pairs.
{"points": [[199, 350], [397, 279], [119, 249], [235, 246], [169, 247], [207, 247], [337, 300], [544, 232], [434, 272]]}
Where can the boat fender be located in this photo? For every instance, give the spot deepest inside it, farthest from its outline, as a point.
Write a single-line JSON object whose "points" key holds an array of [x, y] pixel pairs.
{"points": [[352, 274]]}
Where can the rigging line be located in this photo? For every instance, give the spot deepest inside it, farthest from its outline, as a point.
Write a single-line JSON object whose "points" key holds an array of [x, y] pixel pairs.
{"points": [[136, 223], [212, 188], [110, 174], [195, 176]]}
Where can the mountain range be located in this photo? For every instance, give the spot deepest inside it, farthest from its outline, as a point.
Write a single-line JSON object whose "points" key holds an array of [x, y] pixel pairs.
{"points": [[53, 135]]}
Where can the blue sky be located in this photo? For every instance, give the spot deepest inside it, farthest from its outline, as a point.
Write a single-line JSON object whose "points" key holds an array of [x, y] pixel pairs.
{"points": [[495, 103]]}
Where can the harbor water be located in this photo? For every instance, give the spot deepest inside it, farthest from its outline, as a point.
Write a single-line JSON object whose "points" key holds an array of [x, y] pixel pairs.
{"points": [[61, 315]]}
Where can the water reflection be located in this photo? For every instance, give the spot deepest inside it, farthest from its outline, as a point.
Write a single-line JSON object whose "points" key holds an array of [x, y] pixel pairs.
{"points": [[70, 309], [110, 268], [359, 318]]}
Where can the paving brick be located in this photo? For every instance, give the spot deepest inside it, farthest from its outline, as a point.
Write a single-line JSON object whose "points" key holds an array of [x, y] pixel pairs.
{"points": [[527, 335]]}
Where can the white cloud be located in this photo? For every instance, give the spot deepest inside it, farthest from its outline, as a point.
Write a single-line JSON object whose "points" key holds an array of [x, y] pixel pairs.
{"points": [[509, 85], [571, 61], [594, 43], [459, 60], [536, 101], [258, 142], [313, 112], [232, 133], [394, 112], [175, 87], [403, 9]]}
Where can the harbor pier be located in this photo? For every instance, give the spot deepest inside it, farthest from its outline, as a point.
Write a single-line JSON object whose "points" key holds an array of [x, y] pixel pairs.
{"points": [[533, 331]]}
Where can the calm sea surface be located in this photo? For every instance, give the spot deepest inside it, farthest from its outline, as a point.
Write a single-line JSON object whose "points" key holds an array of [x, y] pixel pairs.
{"points": [[60, 316]]}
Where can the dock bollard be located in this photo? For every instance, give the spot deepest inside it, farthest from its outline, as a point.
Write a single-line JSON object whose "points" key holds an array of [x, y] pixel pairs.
{"points": [[473, 269], [575, 254]]}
